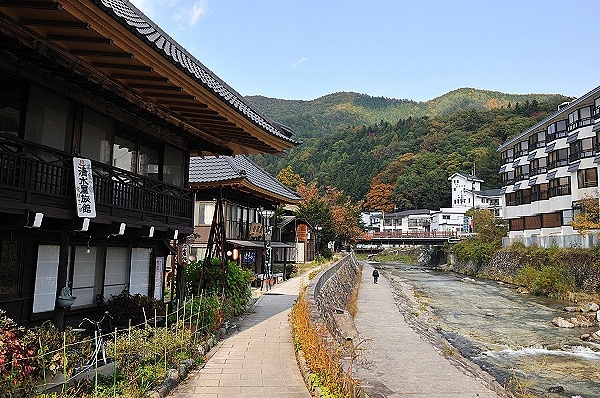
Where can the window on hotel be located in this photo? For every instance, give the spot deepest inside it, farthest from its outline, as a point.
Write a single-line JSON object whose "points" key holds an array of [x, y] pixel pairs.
{"points": [[597, 107], [538, 166], [521, 148], [583, 148], [558, 158], [508, 177], [507, 156], [511, 199], [533, 222], [539, 192], [580, 117], [552, 220], [523, 197], [516, 224], [587, 178], [12, 99], [537, 140], [49, 119], [522, 172], [556, 130], [559, 186]]}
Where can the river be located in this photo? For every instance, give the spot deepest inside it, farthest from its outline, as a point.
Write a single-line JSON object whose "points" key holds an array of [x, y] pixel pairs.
{"points": [[508, 334]]}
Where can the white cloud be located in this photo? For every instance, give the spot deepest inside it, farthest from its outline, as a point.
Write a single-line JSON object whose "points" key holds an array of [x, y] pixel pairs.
{"points": [[189, 14], [299, 62], [198, 10]]}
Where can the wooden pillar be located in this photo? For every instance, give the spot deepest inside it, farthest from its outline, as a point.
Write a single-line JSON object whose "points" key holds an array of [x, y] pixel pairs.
{"points": [[63, 265], [284, 261]]}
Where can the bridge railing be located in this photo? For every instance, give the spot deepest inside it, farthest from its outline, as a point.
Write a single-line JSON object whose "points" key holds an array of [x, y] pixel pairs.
{"points": [[413, 234]]}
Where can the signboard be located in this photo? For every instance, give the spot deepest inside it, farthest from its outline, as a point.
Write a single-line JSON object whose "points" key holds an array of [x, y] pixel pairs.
{"points": [[84, 188], [248, 256], [256, 231], [158, 277], [466, 223]]}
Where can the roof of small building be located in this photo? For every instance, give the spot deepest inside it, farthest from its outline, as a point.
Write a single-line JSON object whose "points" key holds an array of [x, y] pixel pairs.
{"points": [[490, 192], [468, 177], [237, 169], [406, 213]]}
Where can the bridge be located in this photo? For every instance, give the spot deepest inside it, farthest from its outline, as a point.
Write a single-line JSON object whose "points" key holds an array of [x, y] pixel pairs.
{"points": [[377, 241]]}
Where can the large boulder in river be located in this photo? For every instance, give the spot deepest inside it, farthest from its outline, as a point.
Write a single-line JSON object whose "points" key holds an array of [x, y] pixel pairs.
{"points": [[581, 321], [590, 307], [571, 309], [562, 323], [598, 315]]}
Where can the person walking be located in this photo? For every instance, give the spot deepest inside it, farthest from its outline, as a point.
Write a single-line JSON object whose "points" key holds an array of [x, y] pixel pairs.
{"points": [[375, 275]]}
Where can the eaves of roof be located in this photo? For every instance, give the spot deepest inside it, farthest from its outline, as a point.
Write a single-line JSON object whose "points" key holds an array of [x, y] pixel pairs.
{"points": [[114, 46]]}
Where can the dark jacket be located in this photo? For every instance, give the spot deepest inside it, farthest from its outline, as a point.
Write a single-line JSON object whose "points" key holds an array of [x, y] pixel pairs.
{"points": [[375, 272]]}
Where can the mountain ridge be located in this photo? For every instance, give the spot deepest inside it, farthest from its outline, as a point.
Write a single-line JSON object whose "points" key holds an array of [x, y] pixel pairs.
{"points": [[320, 116]]}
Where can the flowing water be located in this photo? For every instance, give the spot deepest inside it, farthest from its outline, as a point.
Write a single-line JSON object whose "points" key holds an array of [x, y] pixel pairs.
{"points": [[507, 334]]}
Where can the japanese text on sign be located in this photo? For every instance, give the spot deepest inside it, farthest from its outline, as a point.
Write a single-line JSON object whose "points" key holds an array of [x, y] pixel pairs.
{"points": [[84, 188]]}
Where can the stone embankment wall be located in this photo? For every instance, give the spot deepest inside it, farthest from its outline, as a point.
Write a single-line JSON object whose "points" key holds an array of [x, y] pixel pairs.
{"points": [[328, 295], [583, 265]]}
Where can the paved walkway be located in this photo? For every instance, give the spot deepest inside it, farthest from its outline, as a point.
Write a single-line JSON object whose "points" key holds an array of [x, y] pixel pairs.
{"points": [[259, 360], [399, 363]]}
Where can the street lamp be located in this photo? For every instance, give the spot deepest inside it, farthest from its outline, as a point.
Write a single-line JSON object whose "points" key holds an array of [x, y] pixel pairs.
{"points": [[318, 229], [266, 215]]}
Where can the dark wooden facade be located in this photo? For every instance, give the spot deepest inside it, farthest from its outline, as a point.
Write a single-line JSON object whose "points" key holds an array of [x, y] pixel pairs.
{"points": [[83, 79]]}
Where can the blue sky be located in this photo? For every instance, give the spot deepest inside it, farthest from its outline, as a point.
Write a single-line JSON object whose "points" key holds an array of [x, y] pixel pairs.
{"points": [[416, 49]]}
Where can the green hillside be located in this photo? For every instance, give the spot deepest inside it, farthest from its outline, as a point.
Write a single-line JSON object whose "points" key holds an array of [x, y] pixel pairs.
{"points": [[351, 138]]}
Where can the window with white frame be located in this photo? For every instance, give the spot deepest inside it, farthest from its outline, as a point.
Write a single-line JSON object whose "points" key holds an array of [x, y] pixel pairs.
{"points": [[116, 272], [46, 278], [85, 276], [139, 278]]}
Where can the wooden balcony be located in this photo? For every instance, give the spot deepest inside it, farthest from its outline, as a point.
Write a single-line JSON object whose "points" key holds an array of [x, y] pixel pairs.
{"points": [[33, 177]]}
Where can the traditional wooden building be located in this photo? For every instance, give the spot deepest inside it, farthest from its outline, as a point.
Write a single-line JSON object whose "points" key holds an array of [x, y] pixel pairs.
{"points": [[232, 194], [100, 111]]}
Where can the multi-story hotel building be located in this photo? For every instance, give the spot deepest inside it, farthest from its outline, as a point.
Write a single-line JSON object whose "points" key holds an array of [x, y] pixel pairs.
{"points": [[546, 171]]}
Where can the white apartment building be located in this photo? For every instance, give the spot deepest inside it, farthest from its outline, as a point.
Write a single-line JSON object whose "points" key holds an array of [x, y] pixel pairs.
{"points": [[466, 194], [414, 220], [547, 169]]}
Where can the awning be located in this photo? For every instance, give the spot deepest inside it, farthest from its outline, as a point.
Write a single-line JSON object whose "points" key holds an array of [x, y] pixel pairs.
{"points": [[531, 156], [573, 166], [596, 127], [550, 147], [572, 137], [258, 244]]}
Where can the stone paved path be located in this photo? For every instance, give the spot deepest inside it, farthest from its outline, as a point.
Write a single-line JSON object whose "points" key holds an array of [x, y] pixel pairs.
{"points": [[399, 363], [258, 361]]}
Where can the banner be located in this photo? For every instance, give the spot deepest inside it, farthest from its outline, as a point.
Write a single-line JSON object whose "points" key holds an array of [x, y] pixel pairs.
{"points": [[84, 188]]}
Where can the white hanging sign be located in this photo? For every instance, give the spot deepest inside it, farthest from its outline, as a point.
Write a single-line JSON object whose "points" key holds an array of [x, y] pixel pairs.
{"points": [[84, 188]]}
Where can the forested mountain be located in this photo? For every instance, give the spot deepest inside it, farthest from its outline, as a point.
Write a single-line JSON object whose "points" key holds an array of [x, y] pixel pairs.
{"points": [[353, 140]]}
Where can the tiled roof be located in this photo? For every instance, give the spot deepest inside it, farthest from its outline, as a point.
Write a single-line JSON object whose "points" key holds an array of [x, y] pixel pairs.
{"points": [[211, 169], [139, 24]]}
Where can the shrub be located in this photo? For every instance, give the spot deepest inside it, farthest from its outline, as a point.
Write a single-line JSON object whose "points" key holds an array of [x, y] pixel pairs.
{"points": [[548, 280], [125, 306]]}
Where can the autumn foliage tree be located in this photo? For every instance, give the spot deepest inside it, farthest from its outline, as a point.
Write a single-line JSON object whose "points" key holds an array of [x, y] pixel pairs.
{"points": [[379, 196], [290, 179], [589, 216], [334, 211]]}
